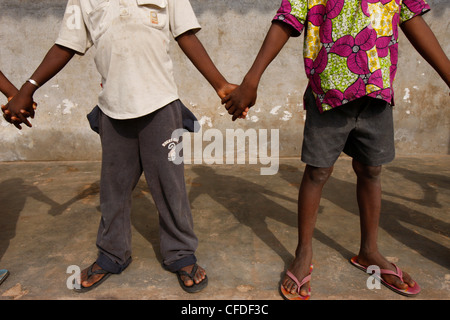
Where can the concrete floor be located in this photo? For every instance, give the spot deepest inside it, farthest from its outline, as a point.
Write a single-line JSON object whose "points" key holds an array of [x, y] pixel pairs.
{"points": [[246, 224]]}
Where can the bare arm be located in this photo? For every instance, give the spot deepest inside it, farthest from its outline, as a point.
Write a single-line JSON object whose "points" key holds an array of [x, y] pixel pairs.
{"points": [[245, 95], [194, 50], [424, 41], [21, 106]]}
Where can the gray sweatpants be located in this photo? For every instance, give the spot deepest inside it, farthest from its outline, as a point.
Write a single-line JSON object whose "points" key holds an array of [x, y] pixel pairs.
{"points": [[130, 147]]}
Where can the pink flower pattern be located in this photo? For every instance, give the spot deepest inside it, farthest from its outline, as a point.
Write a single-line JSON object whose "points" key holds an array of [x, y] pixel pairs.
{"points": [[314, 68], [322, 16], [355, 49]]}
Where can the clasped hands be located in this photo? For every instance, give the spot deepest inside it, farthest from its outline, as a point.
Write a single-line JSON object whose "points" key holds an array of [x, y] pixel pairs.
{"points": [[18, 109], [239, 99]]}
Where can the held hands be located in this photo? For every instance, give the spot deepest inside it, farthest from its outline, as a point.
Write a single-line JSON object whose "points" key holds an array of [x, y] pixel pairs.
{"points": [[240, 100], [18, 109], [224, 94]]}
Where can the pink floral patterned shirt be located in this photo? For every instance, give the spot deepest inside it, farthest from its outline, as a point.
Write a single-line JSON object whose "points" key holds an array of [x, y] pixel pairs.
{"points": [[351, 46]]}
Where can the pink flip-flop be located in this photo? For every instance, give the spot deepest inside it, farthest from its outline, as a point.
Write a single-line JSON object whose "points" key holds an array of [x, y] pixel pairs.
{"points": [[409, 292], [297, 296]]}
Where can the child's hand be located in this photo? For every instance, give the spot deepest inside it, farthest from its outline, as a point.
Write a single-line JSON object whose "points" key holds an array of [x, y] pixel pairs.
{"points": [[18, 109], [226, 90], [240, 100]]}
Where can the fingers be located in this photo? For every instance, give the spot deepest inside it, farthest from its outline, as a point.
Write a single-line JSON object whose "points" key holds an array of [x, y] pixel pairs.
{"points": [[236, 115], [244, 113], [225, 99], [236, 111], [24, 119], [16, 122], [27, 114], [228, 106], [18, 118], [6, 114], [236, 108]]}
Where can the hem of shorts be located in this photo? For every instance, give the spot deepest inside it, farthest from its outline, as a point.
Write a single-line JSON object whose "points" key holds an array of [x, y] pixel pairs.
{"points": [[372, 162], [329, 164], [319, 164]]}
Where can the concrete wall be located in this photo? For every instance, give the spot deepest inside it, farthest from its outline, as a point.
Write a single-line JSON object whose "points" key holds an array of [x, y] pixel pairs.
{"points": [[232, 33]]}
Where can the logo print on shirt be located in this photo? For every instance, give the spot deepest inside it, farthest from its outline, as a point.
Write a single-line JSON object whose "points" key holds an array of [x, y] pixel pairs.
{"points": [[154, 17]]}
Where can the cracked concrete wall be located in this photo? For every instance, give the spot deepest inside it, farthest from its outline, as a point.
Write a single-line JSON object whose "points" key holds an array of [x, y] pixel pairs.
{"points": [[232, 33]]}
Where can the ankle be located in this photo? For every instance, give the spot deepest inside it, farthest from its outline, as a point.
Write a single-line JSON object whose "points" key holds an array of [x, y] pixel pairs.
{"points": [[368, 248], [368, 255], [303, 250]]}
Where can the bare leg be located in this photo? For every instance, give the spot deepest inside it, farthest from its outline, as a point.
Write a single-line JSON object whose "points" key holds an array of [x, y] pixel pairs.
{"points": [[308, 205], [368, 192]]}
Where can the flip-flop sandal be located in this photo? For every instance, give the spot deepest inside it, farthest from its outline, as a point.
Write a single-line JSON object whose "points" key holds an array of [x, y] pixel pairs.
{"points": [[297, 296], [196, 287], [90, 273], [408, 292], [3, 275]]}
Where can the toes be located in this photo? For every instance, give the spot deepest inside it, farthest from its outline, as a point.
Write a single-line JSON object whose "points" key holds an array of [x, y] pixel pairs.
{"points": [[408, 280], [396, 282], [188, 282], [199, 276], [304, 290], [289, 285], [292, 287]]}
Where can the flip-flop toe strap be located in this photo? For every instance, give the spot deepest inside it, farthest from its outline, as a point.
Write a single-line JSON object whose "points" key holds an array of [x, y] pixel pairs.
{"points": [[298, 283], [90, 272], [190, 275], [398, 272]]}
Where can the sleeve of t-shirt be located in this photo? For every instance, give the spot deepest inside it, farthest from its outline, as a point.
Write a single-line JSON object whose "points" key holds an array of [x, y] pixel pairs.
{"points": [[182, 17], [294, 13], [73, 33], [412, 8]]}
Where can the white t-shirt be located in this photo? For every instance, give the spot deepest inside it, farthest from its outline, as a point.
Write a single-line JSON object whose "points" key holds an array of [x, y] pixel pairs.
{"points": [[131, 38]]}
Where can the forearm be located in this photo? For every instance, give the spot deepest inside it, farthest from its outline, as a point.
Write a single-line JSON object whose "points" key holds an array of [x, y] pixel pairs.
{"points": [[22, 105], [277, 36], [6, 87], [424, 41], [194, 50], [245, 96], [54, 61]]}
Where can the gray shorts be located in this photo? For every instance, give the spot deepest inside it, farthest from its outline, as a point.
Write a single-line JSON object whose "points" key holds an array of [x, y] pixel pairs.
{"points": [[362, 129]]}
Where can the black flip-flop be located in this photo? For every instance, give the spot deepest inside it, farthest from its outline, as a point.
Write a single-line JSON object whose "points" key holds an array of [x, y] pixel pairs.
{"points": [[90, 273], [196, 287], [3, 275]]}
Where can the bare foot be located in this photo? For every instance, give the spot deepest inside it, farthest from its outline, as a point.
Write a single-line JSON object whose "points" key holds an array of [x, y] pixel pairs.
{"points": [[300, 268], [198, 277], [378, 260], [90, 277]]}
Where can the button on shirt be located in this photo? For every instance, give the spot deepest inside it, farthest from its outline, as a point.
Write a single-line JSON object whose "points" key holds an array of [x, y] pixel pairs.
{"points": [[351, 46], [131, 39]]}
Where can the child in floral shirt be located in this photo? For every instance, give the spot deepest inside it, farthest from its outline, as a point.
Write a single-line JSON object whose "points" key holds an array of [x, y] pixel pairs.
{"points": [[350, 56]]}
